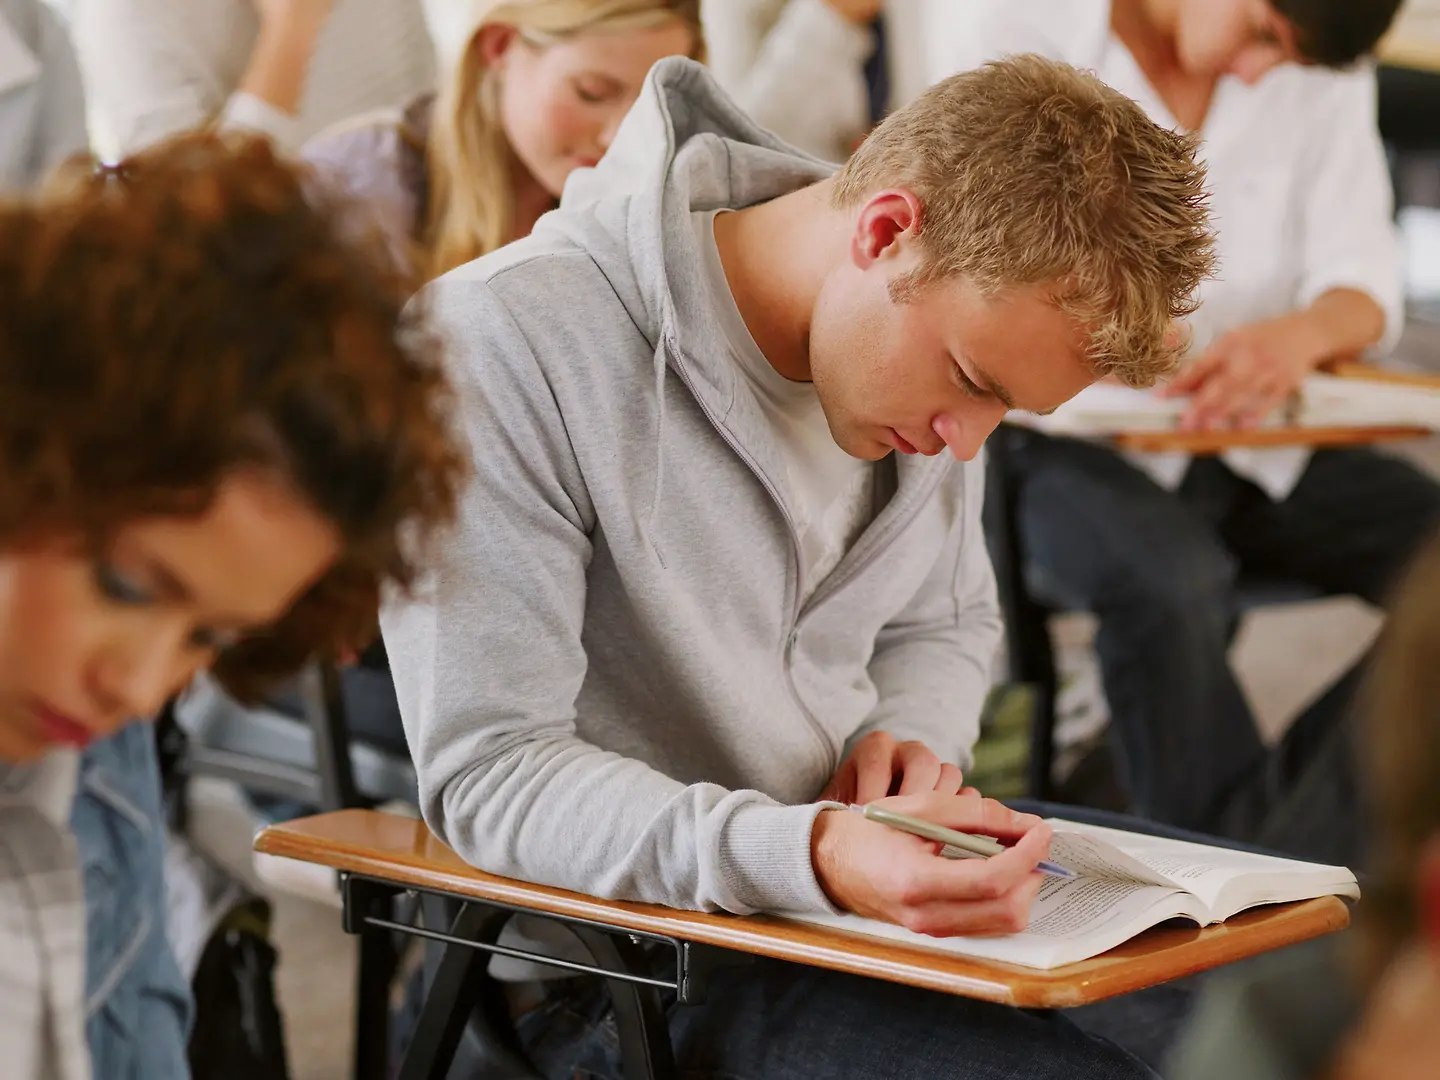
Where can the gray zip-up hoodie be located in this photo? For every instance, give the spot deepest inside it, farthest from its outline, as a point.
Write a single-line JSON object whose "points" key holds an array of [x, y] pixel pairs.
{"points": [[610, 683]]}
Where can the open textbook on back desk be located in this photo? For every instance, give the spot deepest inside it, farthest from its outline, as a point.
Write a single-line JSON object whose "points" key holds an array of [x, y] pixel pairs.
{"points": [[1350, 400], [1127, 882]]}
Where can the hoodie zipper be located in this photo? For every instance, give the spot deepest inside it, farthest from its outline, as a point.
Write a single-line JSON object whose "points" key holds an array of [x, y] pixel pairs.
{"points": [[832, 752], [836, 582]]}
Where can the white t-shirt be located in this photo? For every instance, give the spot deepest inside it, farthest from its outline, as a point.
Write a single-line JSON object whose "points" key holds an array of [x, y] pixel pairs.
{"points": [[1300, 190], [830, 495]]}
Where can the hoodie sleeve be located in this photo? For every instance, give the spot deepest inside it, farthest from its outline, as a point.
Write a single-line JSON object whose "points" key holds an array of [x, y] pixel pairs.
{"points": [[488, 663], [932, 664]]}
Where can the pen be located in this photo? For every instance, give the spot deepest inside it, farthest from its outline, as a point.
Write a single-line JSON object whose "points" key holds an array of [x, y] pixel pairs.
{"points": [[975, 845]]}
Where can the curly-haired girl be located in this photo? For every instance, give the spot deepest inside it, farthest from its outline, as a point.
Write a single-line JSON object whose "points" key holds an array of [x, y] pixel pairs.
{"points": [[220, 437]]}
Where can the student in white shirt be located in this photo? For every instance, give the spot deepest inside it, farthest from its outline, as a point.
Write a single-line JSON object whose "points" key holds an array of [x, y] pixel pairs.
{"points": [[1309, 270], [287, 68], [162, 515], [818, 73]]}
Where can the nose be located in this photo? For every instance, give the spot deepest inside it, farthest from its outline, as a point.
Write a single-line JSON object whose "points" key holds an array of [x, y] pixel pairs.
{"points": [[965, 434], [134, 678]]}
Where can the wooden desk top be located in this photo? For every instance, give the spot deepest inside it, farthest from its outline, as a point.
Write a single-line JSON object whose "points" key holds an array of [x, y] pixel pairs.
{"points": [[405, 852], [1217, 442]]}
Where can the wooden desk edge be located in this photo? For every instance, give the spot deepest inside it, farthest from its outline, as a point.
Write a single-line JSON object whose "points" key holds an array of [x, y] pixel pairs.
{"points": [[1217, 442], [1131, 966]]}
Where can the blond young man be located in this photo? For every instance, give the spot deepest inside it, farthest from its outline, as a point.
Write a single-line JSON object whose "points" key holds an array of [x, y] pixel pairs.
{"points": [[697, 600]]}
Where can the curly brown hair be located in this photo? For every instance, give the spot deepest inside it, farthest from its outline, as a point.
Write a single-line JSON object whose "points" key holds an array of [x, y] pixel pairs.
{"points": [[199, 309]]}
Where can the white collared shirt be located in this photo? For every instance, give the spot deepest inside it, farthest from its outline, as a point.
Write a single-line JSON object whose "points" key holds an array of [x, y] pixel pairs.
{"points": [[1301, 196]]}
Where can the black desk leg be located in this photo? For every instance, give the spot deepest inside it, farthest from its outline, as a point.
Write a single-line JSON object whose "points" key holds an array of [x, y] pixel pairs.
{"points": [[645, 1050], [453, 994], [378, 959]]}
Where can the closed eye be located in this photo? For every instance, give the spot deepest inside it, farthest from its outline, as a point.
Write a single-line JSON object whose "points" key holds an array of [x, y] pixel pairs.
{"points": [[119, 588], [967, 384], [595, 90]]}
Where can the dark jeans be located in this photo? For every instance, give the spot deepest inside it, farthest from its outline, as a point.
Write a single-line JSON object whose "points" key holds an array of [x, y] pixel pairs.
{"points": [[1159, 570]]}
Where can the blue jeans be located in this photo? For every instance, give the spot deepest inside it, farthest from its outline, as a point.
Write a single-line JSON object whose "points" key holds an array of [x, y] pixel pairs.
{"points": [[1159, 570]]}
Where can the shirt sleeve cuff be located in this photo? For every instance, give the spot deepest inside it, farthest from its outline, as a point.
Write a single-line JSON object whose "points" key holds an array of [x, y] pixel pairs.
{"points": [[1389, 295], [764, 860], [250, 113]]}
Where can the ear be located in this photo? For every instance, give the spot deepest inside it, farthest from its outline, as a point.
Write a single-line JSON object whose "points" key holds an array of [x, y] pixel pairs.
{"points": [[1427, 900], [493, 41], [883, 224]]}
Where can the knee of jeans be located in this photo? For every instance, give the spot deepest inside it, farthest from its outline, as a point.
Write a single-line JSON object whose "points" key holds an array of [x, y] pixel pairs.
{"points": [[1197, 589]]}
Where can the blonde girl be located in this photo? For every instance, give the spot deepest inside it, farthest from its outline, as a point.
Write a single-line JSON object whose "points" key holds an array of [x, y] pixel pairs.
{"points": [[530, 91]]}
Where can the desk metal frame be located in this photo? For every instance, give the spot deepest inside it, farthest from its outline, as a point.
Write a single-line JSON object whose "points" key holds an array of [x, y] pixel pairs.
{"points": [[458, 990]]}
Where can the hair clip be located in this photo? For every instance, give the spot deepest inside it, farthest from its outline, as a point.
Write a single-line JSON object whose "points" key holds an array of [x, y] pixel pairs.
{"points": [[108, 171]]}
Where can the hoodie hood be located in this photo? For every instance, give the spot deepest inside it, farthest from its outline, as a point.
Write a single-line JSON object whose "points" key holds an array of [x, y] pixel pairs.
{"points": [[684, 147]]}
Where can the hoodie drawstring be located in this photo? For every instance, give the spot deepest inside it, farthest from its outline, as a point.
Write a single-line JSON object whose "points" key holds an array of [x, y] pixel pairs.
{"points": [[650, 525]]}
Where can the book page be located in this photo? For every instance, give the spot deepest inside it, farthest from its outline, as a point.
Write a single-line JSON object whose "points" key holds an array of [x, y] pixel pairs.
{"points": [[1072, 919], [1094, 856], [1105, 409], [1334, 401], [1213, 872]]}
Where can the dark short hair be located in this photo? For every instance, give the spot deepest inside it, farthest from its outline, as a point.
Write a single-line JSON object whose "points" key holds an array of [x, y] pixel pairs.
{"points": [[1336, 33]]}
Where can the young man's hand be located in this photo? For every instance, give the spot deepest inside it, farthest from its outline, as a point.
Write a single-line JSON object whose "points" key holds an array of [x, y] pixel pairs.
{"points": [[1248, 372], [878, 872], [879, 766]]}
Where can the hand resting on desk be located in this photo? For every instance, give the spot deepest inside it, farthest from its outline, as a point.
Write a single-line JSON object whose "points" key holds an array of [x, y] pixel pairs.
{"points": [[1246, 374], [877, 872], [1249, 372]]}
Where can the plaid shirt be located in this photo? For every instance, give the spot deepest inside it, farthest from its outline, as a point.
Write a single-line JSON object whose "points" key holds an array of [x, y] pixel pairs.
{"points": [[42, 925]]}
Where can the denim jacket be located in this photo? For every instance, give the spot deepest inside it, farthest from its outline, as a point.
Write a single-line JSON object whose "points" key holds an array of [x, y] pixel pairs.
{"points": [[137, 1002]]}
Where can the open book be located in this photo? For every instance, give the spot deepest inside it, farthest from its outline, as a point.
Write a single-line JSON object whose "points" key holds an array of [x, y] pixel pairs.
{"points": [[1321, 401], [1127, 883]]}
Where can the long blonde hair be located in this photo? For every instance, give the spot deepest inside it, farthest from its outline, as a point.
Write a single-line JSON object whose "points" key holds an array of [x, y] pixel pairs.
{"points": [[471, 205]]}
